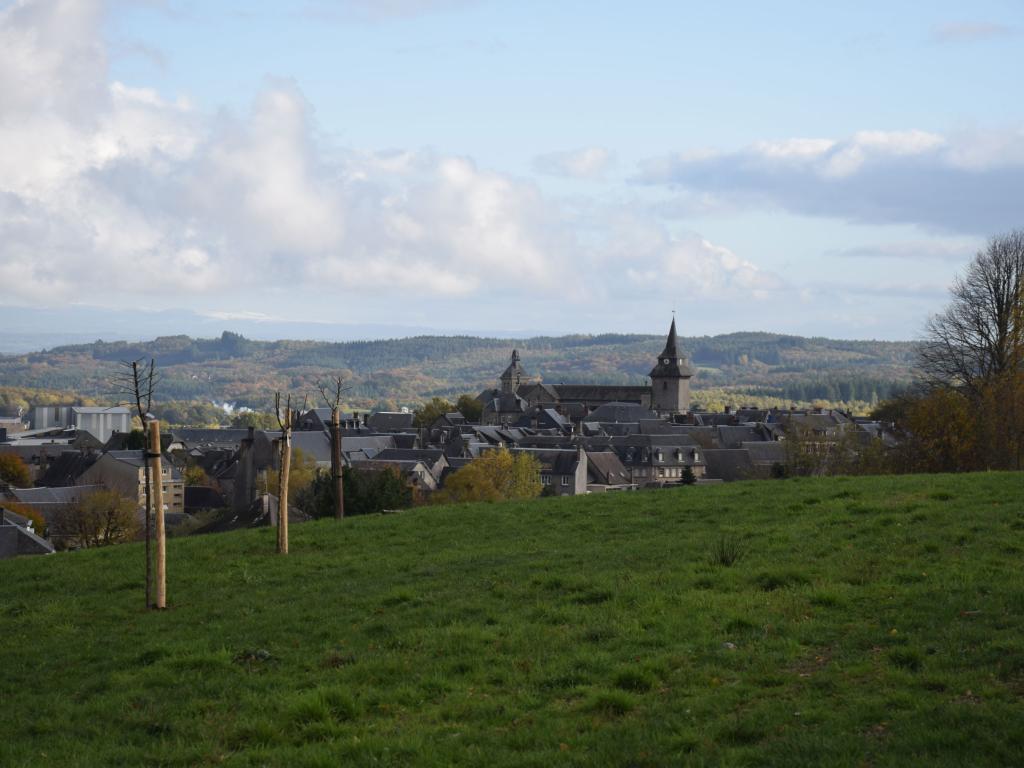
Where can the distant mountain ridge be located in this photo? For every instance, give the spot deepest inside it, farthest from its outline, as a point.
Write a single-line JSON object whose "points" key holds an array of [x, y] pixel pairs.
{"points": [[405, 371]]}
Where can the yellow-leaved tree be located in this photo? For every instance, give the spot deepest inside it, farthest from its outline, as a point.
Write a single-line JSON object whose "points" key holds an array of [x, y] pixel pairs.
{"points": [[498, 475]]}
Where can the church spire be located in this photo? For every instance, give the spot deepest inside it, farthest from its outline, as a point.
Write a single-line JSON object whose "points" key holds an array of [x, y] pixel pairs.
{"points": [[671, 346], [671, 364]]}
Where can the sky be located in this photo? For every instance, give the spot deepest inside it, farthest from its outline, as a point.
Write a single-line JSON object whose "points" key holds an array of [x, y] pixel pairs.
{"points": [[529, 167]]}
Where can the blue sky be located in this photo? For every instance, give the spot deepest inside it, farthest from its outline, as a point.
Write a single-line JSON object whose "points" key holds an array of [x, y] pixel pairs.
{"points": [[812, 168]]}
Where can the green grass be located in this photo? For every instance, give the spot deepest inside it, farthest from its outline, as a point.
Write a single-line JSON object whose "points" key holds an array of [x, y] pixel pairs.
{"points": [[875, 621]]}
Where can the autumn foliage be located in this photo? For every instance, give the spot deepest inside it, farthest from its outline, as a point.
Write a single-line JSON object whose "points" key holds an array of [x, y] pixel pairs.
{"points": [[498, 475], [14, 471]]}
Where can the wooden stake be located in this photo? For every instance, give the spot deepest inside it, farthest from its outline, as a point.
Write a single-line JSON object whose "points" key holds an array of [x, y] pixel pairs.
{"points": [[336, 477], [158, 502], [282, 490]]}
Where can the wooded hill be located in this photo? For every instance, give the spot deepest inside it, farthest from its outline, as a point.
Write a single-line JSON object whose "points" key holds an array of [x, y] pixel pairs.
{"points": [[397, 372]]}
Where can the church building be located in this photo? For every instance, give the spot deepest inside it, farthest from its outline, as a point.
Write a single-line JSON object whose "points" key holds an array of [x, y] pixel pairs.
{"points": [[667, 395]]}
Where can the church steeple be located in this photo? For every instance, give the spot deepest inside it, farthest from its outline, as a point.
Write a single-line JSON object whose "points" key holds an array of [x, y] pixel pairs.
{"points": [[670, 363], [513, 375], [670, 378]]}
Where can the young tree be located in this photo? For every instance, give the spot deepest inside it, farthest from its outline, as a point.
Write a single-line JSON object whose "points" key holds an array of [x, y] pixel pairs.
{"points": [[14, 471], [331, 395], [138, 381]]}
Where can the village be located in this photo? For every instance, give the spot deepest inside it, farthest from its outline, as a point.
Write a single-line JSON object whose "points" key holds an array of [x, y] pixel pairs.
{"points": [[585, 439]]}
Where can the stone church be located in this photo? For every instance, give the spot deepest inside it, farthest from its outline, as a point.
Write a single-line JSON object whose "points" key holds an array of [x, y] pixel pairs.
{"points": [[517, 394]]}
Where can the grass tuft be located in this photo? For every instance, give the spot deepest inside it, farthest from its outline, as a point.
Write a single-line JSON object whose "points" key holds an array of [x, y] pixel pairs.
{"points": [[726, 551]]}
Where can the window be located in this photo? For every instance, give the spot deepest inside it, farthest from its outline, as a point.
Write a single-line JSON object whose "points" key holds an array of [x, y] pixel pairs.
{"points": [[661, 471], [565, 479], [545, 480]]}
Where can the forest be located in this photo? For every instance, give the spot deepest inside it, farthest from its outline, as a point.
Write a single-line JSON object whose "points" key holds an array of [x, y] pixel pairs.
{"points": [[197, 376]]}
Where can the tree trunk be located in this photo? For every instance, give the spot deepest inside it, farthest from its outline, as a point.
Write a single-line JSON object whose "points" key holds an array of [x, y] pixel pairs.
{"points": [[158, 502], [336, 476], [282, 486]]}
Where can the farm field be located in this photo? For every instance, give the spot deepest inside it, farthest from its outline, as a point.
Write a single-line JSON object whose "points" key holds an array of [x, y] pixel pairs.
{"points": [[871, 621]]}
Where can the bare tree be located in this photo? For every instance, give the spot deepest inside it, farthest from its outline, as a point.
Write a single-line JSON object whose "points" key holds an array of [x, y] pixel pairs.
{"points": [[138, 381], [331, 394], [979, 337], [285, 417]]}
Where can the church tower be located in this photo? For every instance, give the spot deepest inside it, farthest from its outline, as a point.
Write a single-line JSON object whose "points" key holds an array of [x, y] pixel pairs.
{"points": [[670, 379], [513, 376]]}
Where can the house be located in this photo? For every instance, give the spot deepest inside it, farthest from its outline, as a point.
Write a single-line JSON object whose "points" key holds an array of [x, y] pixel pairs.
{"points": [[124, 472], [433, 459], [414, 471], [52, 502], [18, 538], [606, 473], [563, 471]]}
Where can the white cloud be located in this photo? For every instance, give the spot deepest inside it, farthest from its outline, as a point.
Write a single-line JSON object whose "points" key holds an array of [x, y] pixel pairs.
{"points": [[969, 182], [587, 163], [109, 188], [659, 262], [112, 194]]}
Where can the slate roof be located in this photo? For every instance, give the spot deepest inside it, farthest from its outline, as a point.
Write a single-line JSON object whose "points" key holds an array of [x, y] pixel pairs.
{"points": [[728, 464], [621, 412], [766, 452], [390, 421], [66, 468], [428, 456], [601, 393], [555, 462], [219, 438], [496, 401], [547, 418], [71, 494], [734, 437], [316, 444], [605, 468], [134, 458], [371, 445]]}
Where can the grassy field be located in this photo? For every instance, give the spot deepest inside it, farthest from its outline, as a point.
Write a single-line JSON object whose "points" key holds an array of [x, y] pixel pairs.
{"points": [[839, 622]]}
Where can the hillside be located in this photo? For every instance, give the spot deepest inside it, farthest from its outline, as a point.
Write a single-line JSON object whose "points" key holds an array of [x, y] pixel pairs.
{"points": [[874, 621], [398, 372]]}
